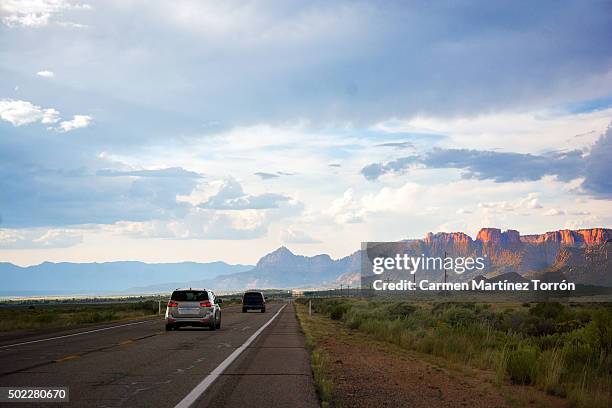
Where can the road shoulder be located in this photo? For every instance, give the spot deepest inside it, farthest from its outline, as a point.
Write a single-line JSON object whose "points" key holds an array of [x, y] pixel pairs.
{"points": [[273, 371], [364, 372]]}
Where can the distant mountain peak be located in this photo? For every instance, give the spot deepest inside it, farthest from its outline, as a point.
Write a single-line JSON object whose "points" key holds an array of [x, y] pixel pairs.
{"points": [[283, 250]]}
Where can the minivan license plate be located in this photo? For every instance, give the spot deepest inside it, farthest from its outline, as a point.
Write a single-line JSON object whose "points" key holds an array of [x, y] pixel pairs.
{"points": [[184, 310]]}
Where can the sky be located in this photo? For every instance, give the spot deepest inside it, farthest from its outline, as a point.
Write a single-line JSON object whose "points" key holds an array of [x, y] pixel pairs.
{"points": [[196, 130]]}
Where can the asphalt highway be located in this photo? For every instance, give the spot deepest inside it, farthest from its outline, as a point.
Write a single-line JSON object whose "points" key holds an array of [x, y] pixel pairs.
{"points": [[255, 360]]}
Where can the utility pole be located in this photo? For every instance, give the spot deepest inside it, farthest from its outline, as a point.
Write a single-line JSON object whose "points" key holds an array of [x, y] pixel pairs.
{"points": [[309, 307], [444, 266]]}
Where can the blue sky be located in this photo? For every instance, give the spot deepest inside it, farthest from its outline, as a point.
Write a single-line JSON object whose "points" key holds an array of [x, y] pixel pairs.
{"points": [[193, 130]]}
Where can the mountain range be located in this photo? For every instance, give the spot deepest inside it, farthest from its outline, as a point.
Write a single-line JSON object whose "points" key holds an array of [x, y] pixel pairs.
{"points": [[581, 256], [49, 278]]}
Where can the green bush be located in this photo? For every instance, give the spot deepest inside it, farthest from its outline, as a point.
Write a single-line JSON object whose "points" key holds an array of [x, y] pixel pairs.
{"points": [[550, 310], [401, 310], [549, 369], [521, 364], [338, 311], [457, 316]]}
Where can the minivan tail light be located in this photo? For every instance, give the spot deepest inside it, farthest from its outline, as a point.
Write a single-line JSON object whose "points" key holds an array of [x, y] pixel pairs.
{"points": [[172, 303], [205, 304]]}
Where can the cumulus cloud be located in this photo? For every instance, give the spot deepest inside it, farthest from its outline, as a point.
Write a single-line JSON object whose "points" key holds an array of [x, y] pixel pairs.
{"points": [[37, 238], [554, 212], [211, 224], [346, 209], [293, 236], [199, 223], [35, 13], [77, 122], [231, 197], [528, 202], [45, 74], [20, 113]]}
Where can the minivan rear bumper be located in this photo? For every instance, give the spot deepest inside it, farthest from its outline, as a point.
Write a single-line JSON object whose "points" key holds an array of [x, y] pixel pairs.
{"points": [[188, 321], [253, 306]]}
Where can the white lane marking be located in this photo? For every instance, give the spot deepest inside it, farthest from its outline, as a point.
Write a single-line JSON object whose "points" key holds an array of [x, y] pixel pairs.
{"points": [[74, 334], [210, 378]]}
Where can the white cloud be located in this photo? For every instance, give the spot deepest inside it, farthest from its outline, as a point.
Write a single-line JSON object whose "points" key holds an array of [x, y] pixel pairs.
{"points": [[528, 202], [523, 132], [35, 13], [231, 197], [20, 113], [346, 209], [77, 122], [45, 74], [294, 236], [203, 224], [553, 212], [37, 238]]}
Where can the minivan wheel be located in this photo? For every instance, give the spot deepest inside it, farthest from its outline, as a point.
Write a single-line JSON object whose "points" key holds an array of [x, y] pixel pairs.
{"points": [[263, 310], [213, 325], [219, 324], [244, 310]]}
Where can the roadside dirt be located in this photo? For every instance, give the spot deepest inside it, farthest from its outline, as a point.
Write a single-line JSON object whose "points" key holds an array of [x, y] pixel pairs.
{"points": [[371, 373]]}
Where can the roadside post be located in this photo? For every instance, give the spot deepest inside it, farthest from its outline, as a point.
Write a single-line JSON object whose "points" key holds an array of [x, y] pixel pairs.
{"points": [[159, 306], [309, 307]]}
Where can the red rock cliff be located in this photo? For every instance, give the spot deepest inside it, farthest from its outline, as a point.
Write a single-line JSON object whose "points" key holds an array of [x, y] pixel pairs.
{"points": [[448, 238], [571, 237]]}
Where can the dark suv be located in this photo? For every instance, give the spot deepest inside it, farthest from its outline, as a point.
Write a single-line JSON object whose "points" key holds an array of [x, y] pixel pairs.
{"points": [[193, 307], [253, 300]]}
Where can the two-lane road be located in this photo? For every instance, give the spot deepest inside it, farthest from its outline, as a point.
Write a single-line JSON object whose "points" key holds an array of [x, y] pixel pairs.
{"points": [[141, 365]]}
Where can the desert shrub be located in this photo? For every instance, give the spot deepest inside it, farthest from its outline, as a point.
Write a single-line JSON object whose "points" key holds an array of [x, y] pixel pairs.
{"points": [[401, 310], [549, 369], [337, 311], [457, 316], [499, 361], [550, 310], [521, 364], [441, 307], [600, 331], [525, 323]]}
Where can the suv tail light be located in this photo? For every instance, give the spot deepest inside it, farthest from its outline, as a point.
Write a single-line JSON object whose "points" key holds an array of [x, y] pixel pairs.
{"points": [[172, 303], [205, 304]]}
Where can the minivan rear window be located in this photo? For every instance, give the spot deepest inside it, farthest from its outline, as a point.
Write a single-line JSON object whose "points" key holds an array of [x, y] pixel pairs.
{"points": [[189, 295], [253, 296]]}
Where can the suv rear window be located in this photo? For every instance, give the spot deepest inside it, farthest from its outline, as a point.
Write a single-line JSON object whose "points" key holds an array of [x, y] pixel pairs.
{"points": [[253, 296], [189, 295]]}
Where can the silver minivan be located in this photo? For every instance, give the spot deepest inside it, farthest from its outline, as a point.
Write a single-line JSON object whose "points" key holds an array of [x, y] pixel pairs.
{"points": [[193, 307]]}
